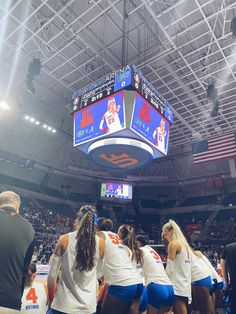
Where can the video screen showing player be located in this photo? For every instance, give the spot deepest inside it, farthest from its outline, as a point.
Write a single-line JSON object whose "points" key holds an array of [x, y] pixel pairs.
{"points": [[159, 136], [119, 191], [111, 117]]}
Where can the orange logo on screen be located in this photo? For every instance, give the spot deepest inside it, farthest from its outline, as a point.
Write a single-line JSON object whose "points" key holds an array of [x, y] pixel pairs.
{"points": [[87, 118], [122, 161], [145, 113]]}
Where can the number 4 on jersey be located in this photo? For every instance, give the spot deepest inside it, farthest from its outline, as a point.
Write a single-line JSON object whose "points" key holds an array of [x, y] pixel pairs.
{"points": [[31, 295]]}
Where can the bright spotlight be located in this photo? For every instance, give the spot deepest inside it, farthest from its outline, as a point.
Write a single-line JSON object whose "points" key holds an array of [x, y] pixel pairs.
{"points": [[32, 119], [45, 126], [37, 122], [54, 131], [4, 105], [27, 117], [49, 128]]}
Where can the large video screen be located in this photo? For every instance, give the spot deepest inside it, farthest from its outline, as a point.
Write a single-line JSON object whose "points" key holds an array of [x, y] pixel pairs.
{"points": [[150, 124], [112, 190], [103, 117]]}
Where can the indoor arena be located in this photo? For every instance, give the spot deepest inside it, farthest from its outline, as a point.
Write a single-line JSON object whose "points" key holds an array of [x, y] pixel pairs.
{"points": [[117, 156]]}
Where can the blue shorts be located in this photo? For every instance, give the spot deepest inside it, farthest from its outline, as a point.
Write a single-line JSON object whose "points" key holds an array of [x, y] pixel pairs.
{"points": [[160, 296], [203, 282], [126, 293], [143, 301], [216, 285]]}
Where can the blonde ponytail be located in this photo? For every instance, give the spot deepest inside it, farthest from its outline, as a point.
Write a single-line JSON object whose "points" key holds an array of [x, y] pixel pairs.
{"points": [[177, 234]]}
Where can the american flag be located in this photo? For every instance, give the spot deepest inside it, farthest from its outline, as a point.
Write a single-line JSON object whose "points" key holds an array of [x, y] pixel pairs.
{"points": [[217, 147]]}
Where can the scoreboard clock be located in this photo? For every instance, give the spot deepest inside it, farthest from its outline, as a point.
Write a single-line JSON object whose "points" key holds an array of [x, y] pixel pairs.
{"points": [[127, 78]]}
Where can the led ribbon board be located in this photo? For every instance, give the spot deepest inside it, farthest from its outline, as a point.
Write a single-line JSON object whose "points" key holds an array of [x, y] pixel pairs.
{"points": [[128, 77]]}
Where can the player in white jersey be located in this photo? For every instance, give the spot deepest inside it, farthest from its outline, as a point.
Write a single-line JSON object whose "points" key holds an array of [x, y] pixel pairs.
{"points": [[103, 224], [160, 292], [76, 255], [204, 294], [34, 299], [178, 265], [159, 136], [124, 284], [119, 191], [201, 285], [111, 117]]}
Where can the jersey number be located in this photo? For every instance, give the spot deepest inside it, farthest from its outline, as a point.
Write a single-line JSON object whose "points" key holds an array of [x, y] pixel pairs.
{"points": [[111, 120], [154, 254], [115, 239], [31, 295]]}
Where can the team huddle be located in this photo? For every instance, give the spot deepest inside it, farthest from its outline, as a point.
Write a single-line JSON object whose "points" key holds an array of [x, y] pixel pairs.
{"points": [[131, 273]]}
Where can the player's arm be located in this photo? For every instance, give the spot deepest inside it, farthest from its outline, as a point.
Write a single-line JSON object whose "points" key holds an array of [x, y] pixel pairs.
{"points": [[101, 244], [173, 248], [55, 266], [101, 125], [117, 108], [154, 135], [224, 270]]}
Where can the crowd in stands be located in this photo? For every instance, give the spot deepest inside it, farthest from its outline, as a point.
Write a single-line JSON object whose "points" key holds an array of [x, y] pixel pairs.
{"points": [[49, 224]]}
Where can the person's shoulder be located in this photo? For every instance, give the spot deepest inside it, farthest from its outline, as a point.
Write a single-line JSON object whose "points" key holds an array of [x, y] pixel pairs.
{"points": [[230, 246], [25, 223]]}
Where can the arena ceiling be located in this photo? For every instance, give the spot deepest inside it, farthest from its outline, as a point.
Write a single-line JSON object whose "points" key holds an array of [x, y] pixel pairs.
{"points": [[181, 46]]}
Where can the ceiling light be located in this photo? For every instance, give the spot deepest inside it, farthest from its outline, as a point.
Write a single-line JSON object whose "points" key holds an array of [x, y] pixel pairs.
{"points": [[45, 126], [32, 119], [54, 131], [49, 128], [37, 122], [4, 105], [27, 117]]}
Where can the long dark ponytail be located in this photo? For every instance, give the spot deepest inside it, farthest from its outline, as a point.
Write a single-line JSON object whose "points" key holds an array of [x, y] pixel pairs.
{"points": [[128, 237], [86, 242]]}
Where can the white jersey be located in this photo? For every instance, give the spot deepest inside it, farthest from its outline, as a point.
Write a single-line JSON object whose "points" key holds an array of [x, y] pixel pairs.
{"points": [[117, 266], [139, 270], [153, 268], [199, 270], [161, 140], [76, 291], [34, 299], [113, 121], [181, 274], [211, 269]]}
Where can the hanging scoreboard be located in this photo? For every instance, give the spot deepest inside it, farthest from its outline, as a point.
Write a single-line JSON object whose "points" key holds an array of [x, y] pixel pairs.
{"points": [[122, 122]]}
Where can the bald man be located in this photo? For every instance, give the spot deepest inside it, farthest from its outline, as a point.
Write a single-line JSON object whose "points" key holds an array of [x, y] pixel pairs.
{"points": [[16, 249]]}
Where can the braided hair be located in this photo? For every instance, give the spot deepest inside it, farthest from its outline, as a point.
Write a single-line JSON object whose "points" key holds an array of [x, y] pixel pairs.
{"points": [[86, 243], [128, 237]]}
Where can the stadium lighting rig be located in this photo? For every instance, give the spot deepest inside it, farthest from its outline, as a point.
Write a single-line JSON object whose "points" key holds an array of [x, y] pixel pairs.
{"points": [[38, 123]]}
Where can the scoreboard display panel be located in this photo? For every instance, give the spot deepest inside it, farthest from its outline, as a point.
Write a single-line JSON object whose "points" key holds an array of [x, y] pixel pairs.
{"points": [[116, 190], [105, 117], [150, 124], [129, 78]]}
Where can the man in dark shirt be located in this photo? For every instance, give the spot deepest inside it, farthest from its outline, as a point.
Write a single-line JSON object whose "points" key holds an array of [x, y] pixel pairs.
{"points": [[228, 267], [16, 249]]}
